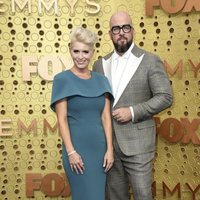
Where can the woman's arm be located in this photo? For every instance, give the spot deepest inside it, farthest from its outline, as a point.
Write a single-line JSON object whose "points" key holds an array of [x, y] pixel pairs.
{"points": [[61, 112], [74, 158], [107, 125]]}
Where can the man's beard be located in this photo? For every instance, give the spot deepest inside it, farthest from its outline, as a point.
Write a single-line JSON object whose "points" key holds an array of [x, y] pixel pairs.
{"points": [[122, 48]]}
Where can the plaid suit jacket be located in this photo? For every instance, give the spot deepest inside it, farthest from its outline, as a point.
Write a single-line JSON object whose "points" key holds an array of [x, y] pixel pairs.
{"points": [[148, 91]]}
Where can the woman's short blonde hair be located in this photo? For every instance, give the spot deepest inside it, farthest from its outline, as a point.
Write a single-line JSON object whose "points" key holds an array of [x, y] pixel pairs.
{"points": [[83, 35]]}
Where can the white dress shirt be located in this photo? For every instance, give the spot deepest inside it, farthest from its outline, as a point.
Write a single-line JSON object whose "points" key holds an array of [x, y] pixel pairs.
{"points": [[119, 64]]}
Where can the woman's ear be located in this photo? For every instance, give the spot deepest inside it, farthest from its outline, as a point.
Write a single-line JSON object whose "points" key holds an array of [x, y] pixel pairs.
{"points": [[92, 52], [70, 48]]}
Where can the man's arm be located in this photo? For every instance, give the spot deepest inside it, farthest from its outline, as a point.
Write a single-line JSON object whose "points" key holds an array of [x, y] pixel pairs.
{"points": [[161, 93]]}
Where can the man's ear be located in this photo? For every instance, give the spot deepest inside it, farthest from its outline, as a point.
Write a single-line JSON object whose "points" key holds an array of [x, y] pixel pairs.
{"points": [[109, 32], [133, 32]]}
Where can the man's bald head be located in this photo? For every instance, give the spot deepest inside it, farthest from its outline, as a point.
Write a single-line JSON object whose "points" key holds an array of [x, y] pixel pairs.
{"points": [[120, 18]]}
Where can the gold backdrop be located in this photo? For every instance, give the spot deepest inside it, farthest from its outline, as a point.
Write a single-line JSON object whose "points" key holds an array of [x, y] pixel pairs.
{"points": [[34, 37]]}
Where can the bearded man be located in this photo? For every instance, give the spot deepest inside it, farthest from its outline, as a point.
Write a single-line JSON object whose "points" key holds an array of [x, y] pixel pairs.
{"points": [[141, 89]]}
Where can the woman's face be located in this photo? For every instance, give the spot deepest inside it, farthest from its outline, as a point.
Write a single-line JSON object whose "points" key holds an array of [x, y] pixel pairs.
{"points": [[81, 54]]}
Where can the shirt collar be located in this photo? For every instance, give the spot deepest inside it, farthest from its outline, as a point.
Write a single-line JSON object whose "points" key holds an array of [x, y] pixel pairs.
{"points": [[126, 55]]}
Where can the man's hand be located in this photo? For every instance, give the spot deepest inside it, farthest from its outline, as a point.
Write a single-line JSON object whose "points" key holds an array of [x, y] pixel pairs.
{"points": [[122, 115]]}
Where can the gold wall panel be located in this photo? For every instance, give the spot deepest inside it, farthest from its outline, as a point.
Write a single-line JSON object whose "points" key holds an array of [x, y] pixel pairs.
{"points": [[30, 146]]}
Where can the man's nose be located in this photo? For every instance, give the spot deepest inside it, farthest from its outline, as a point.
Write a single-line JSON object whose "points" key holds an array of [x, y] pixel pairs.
{"points": [[121, 32]]}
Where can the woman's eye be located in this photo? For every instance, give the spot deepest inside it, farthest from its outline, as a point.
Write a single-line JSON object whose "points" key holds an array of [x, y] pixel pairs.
{"points": [[75, 51], [85, 51]]}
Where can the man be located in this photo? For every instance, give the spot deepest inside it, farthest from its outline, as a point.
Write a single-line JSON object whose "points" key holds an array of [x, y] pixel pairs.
{"points": [[141, 89]]}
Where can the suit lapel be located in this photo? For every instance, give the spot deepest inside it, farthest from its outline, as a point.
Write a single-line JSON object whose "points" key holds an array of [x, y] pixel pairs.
{"points": [[107, 63], [132, 64], [130, 68]]}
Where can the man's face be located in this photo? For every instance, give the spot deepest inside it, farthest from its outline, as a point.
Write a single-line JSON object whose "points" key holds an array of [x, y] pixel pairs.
{"points": [[121, 33]]}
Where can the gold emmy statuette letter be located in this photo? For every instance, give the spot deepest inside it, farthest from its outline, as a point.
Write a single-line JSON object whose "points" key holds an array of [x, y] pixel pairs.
{"points": [[72, 4]]}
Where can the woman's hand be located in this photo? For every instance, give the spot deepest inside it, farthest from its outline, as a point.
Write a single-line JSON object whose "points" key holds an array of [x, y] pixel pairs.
{"points": [[76, 163], [108, 160]]}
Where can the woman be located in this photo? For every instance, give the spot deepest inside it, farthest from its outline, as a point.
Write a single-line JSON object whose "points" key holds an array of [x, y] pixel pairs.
{"points": [[81, 100]]}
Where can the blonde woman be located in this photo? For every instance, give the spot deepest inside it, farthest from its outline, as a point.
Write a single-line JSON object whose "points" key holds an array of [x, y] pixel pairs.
{"points": [[81, 100]]}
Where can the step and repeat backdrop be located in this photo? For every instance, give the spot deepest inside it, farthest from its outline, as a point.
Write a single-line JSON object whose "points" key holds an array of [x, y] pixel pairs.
{"points": [[34, 38]]}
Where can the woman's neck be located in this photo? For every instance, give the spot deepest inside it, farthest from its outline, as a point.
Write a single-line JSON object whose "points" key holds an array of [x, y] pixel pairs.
{"points": [[82, 73]]}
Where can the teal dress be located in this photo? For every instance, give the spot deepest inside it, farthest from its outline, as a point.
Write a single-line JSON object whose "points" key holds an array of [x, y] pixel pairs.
{"points": [[85, 100]]}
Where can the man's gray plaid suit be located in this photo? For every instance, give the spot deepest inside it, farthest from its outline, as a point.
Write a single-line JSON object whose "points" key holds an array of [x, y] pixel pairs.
{"points": [[148, 92]]}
